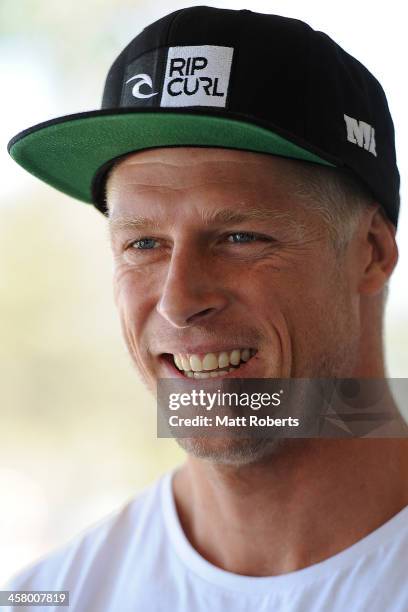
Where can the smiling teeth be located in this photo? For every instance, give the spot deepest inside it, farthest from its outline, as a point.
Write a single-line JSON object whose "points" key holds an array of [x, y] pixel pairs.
{"points": [[211, 364]]}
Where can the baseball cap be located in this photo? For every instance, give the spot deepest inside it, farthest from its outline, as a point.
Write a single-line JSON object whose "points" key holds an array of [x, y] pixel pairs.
{"points": [[210, 77]]}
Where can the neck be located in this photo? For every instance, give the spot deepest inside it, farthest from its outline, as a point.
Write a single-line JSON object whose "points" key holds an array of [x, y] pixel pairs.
{"points": [[296, 508]]}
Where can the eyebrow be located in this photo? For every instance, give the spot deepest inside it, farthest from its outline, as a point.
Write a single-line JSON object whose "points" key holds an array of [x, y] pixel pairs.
{"points": [[223, 216]]}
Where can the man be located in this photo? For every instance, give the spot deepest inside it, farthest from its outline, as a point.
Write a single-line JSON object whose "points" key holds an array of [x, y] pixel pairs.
{"points": [[253, 235]]}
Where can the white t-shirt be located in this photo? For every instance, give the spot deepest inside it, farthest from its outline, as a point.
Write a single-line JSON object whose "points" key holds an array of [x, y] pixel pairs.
{"points": [[138, 559]]}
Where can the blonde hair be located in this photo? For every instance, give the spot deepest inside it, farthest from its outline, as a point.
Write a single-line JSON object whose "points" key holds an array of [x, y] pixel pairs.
{"points": [[339, 198]]}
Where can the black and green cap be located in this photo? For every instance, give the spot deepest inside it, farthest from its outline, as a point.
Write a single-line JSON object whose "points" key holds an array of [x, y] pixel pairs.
{"points": [[210, 77]]}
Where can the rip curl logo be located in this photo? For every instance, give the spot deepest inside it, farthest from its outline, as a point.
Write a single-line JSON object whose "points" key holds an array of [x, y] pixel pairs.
{"points": [[141, 79], [361, 134], [197, 76]]}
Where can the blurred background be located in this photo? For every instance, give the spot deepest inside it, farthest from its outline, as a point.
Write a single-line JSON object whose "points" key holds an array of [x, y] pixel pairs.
{"points": [[78, 428]]}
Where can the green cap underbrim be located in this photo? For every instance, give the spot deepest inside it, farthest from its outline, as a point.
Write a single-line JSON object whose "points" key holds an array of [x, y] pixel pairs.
{"points": [[69, 152]]}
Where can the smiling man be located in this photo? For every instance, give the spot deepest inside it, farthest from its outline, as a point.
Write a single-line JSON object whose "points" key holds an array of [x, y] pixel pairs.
{"points": [[222, 266], [253, 235]]}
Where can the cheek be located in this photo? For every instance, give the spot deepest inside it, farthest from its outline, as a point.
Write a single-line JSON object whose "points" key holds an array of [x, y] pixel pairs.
{"points": [[295, 303], [134, 307], [133, 299], [268, 305]]}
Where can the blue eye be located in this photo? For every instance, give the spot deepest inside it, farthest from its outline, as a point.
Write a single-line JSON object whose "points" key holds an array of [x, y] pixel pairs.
{"points": [[242, 237], [144, 243]]}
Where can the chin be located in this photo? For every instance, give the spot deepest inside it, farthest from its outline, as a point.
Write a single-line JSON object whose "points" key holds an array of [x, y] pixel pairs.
{"points": [[232, 451]]}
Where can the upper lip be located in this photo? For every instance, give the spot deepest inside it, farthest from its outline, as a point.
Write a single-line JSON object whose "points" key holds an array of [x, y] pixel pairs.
{"points": [[191, 349]]}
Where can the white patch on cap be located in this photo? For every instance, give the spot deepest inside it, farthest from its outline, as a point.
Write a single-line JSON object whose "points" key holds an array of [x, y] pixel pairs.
{"points": [[361, 134], [197, 76]]}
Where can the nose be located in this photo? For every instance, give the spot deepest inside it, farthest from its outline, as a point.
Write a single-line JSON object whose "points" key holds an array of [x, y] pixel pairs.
{"points": [[191, 292]]}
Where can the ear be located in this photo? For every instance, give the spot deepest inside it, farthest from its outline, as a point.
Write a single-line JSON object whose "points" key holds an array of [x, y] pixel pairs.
{"points": [[378, 251]]}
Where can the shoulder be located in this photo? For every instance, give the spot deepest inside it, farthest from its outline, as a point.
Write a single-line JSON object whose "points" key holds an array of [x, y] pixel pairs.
{"points": [[103, 546]]}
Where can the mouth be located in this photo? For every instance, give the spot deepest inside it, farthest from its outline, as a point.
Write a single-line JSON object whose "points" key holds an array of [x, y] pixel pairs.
{"points": [[209, 365]]}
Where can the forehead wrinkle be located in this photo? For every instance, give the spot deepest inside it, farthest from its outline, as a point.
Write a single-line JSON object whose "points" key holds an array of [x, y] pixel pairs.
{"points": [[138, 187], [125, 222], [196, 156], [231, 215], [220, 216]]}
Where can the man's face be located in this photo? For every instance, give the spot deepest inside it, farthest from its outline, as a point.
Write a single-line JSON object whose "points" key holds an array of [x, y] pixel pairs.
{"points": [[216, 262]]}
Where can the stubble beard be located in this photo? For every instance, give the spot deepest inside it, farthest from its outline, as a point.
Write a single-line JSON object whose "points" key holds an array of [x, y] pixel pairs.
{"points": [[336, 362]]}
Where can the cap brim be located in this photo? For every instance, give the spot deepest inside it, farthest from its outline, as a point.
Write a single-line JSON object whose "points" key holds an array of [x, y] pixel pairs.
{"points": [[70, 152]]}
